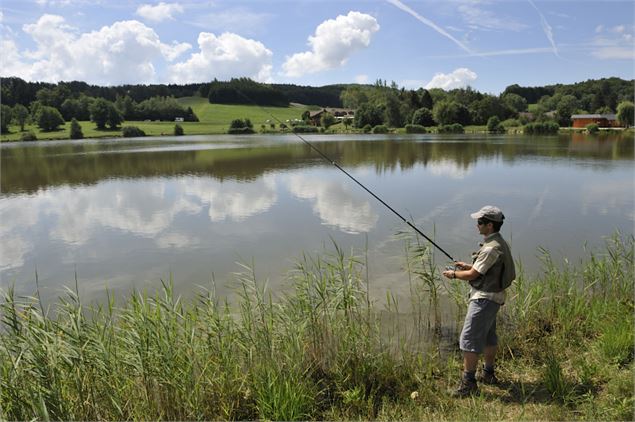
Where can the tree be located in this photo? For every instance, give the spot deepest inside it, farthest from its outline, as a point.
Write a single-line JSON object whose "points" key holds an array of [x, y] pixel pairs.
{"points": [[488, 106], [76, 130], [448, 111], [393, 111], [515, 101], [426, 99], [20, 115], [347, 121], [369, 114], [5, 117], [625, 113], [567, 105], [104, 112], [49, 118], [423, 117]]}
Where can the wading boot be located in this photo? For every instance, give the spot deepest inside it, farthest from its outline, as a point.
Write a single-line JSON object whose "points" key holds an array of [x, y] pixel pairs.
{"points": [[466, 388]]}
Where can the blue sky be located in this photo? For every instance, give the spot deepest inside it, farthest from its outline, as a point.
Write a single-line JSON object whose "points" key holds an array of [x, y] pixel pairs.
{"points": [[416, 43]]}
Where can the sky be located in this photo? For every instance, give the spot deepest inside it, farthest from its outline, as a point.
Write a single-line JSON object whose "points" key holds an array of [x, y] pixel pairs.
{"points": [[485, 44]]}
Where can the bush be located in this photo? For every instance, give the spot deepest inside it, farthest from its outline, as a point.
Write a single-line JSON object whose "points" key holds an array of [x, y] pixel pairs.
{"points": [[240, 130], [415, 129], [132, 132], [541, 128], [494, 125], [380, 129], [367, 128], [592, 128], [28, 136], [453, 128], [511, 123], [178, 130], [305, 129], [76, 130]]}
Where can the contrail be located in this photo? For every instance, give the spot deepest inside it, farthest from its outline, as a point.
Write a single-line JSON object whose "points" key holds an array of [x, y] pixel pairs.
{"points": [[547, 28], [428, 22]]}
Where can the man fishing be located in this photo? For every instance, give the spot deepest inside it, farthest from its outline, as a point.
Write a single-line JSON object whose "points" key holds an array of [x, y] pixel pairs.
{"points": [[490, 273]]}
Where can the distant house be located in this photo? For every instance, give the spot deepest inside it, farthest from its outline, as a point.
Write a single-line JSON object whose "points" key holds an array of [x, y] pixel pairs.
{"points": [[179, 119], [602, 120], [339, 114]]}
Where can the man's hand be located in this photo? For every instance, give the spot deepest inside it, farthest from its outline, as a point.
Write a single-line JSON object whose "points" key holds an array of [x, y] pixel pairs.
{"points": [[449, 274], [460, 265]]}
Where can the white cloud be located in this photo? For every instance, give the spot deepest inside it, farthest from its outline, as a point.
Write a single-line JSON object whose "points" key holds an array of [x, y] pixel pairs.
{"points": [[335, 40], [458, 78], [160, 12], [13, 63], [361, 79], [54, 2], [124, 52], [599, 29], [222, 57]]}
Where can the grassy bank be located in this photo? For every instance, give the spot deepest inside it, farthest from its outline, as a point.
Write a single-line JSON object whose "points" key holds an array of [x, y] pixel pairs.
{"points": [[323, 351]]}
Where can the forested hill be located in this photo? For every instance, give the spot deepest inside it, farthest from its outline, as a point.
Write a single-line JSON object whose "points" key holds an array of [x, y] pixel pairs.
{"points": [[593, 93], [17, 91]]}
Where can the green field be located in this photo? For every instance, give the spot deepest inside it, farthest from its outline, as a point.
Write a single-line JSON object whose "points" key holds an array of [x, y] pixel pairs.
{"points": [[214, 119]]}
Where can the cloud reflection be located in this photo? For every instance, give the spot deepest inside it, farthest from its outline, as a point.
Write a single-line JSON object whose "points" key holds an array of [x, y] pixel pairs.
{"points": [[334, 204], [448, 168]]}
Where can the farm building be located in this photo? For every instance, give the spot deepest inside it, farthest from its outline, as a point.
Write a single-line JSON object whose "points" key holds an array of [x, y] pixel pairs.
{"points": [[602, 120], [338, 113]]}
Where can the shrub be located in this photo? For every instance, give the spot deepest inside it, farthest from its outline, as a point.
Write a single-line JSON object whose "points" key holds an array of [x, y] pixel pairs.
{"points": [[305, 129], [541, 128], [178, 130], [76, 130], [28, 136], [380, 129], [367, 128], [592, 128], [511, 123], [415, 129], [494, 125], [240, 130], [132, 132], [453, 128]]}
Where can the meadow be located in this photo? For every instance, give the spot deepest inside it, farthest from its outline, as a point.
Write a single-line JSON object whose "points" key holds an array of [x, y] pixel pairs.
{"points": [[213, 119], [324, 350]]}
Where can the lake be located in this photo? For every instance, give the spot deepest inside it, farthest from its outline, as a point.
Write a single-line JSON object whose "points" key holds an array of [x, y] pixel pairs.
{"points": [[120, 214]]}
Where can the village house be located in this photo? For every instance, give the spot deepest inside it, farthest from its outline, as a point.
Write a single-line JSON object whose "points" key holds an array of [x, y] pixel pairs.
{"points": [[602, 120], [339, 114]]}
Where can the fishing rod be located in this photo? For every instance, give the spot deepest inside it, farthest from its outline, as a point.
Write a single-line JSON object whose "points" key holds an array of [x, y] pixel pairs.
{"points": [[333, 162]]}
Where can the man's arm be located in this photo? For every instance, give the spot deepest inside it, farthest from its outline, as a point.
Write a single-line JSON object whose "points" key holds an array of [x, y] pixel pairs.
{"points": [[467, 275]]}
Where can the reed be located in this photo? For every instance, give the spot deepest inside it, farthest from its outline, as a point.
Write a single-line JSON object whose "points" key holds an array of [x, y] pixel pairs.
{"points": [[322, 350]]}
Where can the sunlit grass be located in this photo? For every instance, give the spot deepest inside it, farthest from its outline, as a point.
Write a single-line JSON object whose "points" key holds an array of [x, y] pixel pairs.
{"points": [[322, 351]]}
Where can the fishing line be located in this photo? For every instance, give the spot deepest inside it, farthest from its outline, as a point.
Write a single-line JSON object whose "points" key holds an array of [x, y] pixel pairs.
{"points": [[327, 158]]}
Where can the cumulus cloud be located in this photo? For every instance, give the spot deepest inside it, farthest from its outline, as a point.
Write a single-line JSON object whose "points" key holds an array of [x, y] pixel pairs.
{"points": [[361, 79], [124, 52], [457, 79], [222, 57], [335, 40], [159, 12]]}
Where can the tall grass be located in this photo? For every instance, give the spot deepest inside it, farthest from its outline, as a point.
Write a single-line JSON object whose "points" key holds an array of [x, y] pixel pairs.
{"points": [[321, 351]]}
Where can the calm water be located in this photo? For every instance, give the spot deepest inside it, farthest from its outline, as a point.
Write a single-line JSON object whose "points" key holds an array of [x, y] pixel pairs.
{"points": [[129, 213]]}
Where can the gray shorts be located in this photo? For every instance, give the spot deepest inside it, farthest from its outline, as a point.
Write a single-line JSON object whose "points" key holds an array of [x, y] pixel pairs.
{"points": [[479, 328]]}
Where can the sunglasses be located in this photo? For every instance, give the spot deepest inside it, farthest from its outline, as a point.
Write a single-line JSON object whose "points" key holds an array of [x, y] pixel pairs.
{"points": [[482, 221]]}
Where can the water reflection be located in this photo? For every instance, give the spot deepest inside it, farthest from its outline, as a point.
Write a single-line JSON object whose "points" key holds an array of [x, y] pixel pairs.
{"points": [[133, 211], [335, 203]]}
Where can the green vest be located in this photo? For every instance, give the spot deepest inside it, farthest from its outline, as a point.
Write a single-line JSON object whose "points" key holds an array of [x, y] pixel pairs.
{"points": [[502, 273]]}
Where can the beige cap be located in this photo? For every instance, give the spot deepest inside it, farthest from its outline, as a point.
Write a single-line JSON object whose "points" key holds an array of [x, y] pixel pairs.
{"points": [[490, 212]]}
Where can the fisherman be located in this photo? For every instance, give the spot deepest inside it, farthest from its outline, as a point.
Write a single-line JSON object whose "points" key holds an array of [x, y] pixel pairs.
{"points": [[490, 273]]}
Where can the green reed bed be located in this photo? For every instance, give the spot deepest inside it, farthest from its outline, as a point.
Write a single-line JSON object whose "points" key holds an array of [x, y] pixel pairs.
{"points": [[323, 350]]}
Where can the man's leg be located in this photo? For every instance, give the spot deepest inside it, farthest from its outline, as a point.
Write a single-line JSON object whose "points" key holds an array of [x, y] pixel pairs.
{"points": [[470, 360], [490, 356]]}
